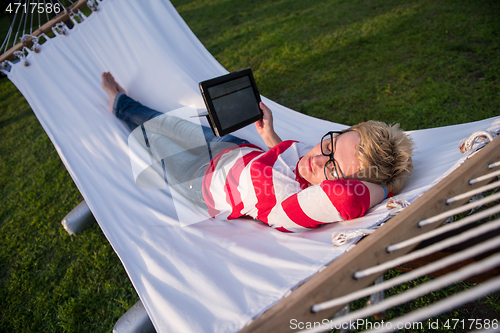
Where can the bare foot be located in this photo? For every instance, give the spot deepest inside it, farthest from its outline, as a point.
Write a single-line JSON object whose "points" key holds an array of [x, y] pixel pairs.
{"points": [[111, 87]]}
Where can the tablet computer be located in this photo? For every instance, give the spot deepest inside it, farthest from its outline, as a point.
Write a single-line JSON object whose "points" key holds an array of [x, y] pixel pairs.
{"points": [[232, 101]]}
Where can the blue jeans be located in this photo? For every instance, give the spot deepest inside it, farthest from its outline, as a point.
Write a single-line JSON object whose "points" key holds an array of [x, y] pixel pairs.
{"points": [[184, 149]]}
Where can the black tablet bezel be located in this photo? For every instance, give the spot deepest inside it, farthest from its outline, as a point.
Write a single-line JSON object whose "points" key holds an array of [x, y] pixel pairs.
{"points": [[212, 115]]}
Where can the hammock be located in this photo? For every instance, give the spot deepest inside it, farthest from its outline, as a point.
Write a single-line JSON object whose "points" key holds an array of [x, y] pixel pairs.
{"points": [[213, 276]]}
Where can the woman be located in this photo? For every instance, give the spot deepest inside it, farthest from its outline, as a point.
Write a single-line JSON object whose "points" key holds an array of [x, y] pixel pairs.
{"points": [[290, 187]]}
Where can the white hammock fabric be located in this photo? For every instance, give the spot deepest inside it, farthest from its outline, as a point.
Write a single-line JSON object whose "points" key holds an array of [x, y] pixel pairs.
{"points": [[211, 276]]}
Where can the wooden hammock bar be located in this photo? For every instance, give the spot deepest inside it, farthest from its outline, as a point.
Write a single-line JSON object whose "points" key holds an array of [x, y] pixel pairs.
{"points": [[337, 279], [44, 29]]}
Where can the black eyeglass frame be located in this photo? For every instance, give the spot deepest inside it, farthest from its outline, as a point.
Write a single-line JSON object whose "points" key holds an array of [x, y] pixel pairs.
{"points": [[331, 154]]}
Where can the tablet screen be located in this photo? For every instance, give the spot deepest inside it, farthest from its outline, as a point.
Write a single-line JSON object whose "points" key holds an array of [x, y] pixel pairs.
{"points": [[234, 101]]}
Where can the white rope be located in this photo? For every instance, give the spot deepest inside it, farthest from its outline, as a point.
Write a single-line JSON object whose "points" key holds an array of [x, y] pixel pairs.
{"points": [[18, 28], [31, 24], [44, 36], [487, 176], [39, 22], [493, 165], [36, 44], [20, 55], [452, 226], [26, 3], [459, 275], [447, 304], [24, 38], [60, 28], [3, 66], [459, 210], [473, 192], [432, 267], [339, 238], [9, 33], [464, 236], [34, 40], [92, 4], [477, 138], [78, 14], [46, 13], [26, 9]]}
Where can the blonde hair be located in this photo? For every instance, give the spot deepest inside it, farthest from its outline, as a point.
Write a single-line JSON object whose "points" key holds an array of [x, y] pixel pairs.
{"points": [[384, 153]]}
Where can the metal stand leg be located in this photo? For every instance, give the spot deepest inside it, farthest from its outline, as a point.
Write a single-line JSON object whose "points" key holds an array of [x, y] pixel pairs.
{"points": [[377, 298], [135, 320], [78, 219], [343, 312]]}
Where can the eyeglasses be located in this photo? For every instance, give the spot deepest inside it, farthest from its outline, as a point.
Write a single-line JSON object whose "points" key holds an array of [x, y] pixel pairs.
{"points": [[327, 149]]}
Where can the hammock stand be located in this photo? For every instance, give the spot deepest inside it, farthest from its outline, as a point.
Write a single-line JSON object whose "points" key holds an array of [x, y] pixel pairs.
{"points": [[343, 276], [338, 279]]}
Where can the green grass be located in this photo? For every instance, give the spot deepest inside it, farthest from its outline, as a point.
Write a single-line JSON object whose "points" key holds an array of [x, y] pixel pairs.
{"points": [[420, 63]]}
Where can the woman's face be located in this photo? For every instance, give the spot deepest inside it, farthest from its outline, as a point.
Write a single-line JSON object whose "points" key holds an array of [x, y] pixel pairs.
{"points": [[311, 165]]}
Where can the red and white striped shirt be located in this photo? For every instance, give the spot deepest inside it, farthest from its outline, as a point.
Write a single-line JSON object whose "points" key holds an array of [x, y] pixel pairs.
{"points": [[247, 181]]}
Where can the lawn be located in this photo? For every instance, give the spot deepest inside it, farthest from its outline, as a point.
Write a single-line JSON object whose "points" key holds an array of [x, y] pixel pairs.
{"points": [[420, 63]]}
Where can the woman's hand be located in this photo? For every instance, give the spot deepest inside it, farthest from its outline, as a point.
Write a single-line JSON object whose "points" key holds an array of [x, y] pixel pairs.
{"points": [[265, 127]]}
